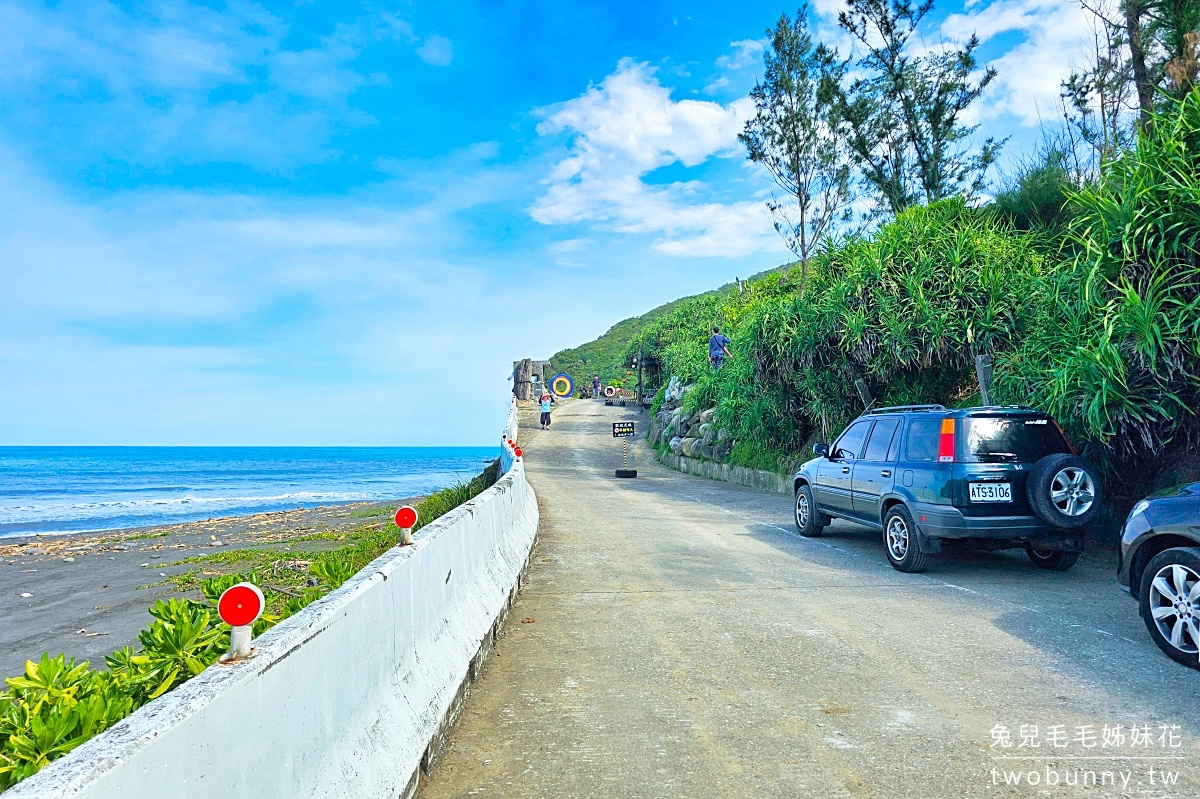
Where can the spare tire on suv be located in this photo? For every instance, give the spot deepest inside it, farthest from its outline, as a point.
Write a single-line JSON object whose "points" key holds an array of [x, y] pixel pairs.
{"points": [[1064, 491]]}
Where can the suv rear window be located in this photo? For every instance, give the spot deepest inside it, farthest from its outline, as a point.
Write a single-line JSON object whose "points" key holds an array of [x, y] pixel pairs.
{"points": [[921, 444], [1009, 439]]}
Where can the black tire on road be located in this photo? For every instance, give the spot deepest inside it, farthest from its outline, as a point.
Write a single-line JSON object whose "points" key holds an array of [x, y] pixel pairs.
{"points": [[808, 519], [1064, 491], [1169, 601], [1052, 559], [901, 542]]}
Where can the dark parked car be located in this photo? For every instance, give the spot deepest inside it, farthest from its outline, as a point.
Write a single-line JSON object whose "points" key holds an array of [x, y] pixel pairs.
{"points": [[1160, 567], [996, 477]]}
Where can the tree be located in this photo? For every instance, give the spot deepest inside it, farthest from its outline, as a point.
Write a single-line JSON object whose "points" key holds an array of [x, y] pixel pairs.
{"points": [[1163, 37], [1134, 12], [1174, 25], [1145, 52], [1097, 105], [902, 115], [791, 135]]}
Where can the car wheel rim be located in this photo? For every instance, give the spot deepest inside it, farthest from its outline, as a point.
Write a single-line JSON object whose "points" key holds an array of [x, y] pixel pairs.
{"points": [[1175, 606], [801, 510], [1072, 491], [1042, 554], [897, 538]]}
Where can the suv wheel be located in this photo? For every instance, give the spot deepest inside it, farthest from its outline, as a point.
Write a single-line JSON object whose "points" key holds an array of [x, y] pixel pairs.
{"points": [[1170, 603], [901, 542], [1064, 491], [1053, 559], [809, 521]]}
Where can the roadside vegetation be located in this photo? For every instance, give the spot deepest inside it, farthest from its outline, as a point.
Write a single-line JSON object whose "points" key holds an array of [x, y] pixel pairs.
{"points": [[1080, 275], [58, 704]]}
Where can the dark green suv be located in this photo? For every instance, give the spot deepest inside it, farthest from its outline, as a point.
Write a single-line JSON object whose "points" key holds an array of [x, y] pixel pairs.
{"points": [[994, 477]]}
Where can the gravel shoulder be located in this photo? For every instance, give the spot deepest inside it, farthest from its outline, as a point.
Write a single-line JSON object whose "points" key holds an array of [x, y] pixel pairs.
{"points": [[675, 637]]}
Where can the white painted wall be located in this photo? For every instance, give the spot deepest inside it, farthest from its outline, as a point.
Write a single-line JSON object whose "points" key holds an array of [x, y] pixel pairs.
{"points": [[510, 434], [342, 699]]}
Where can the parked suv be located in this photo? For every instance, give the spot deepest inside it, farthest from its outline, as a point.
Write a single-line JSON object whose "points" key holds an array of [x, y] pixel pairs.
{"points": [[995, 477]]}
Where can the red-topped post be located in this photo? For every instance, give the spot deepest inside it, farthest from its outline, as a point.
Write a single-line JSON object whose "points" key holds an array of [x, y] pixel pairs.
{"points": [[240, 606], [406, 520]]}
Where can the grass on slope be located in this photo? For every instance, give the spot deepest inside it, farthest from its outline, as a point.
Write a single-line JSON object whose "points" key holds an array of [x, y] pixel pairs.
{"points": [[606, 355]]}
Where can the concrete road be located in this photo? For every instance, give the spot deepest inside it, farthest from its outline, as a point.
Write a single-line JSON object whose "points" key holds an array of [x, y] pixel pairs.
{"points": [[676, 638]]}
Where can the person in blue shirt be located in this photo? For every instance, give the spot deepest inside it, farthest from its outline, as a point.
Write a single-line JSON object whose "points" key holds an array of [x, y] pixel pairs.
{"points": [[546, 401], [718, 348]]}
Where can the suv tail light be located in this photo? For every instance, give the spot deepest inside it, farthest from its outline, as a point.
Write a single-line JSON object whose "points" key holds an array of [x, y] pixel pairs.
{"points": [[946, 442]]}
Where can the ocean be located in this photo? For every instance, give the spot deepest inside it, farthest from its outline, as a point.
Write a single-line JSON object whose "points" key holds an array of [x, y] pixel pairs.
{"points": [[69, 489]]}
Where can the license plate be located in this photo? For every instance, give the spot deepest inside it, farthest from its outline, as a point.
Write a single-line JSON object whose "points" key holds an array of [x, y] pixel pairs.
{"points": [[991, 492]]}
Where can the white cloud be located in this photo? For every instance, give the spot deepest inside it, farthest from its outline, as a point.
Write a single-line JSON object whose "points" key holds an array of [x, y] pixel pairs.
{"points": [[138, 84], [747, 53], [829, 8], [734, 68], [1029, 74], [626, 128], [572, 245], [157, 316], [717, 85], [161, 316], [437, 51]]}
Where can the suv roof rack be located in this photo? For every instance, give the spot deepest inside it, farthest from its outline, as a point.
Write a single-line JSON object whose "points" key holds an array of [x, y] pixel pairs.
{"points": [[902, 408], [1012, 407]]}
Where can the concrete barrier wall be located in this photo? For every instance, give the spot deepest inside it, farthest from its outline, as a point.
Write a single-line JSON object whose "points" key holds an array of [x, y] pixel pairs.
{"points": [[345, 699], [507, 456], [739, 475], [510, 427]]}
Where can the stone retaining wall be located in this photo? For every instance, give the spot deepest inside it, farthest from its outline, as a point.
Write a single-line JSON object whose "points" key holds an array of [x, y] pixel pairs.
{"points": [[739, 475]]}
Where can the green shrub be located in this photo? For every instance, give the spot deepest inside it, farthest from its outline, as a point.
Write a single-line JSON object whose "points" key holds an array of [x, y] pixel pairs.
{"points": [[1117, 356], [55, 706], [1038, 197], [1102, 329], [332, 572], [906, 310], [184, 639]]}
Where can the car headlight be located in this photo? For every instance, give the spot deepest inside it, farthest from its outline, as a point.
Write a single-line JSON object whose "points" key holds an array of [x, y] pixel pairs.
{"points": [[1138, 508]]}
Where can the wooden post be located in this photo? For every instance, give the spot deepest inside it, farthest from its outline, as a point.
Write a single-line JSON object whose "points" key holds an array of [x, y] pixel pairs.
{"points": [[983, 371]]}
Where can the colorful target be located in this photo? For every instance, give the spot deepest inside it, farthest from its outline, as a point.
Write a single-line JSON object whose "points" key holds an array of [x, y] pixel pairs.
{"points": [[561, 385]]}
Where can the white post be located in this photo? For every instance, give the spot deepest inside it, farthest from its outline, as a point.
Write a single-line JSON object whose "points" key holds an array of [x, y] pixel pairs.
{"points": [[239, 642], [240, 606], [406, 520]]}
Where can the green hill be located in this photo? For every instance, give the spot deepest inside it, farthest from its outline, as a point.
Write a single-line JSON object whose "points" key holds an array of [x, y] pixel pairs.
{"points": [[605, 355]]}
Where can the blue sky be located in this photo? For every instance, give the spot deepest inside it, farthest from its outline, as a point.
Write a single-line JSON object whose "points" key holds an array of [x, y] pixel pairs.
{"points": [[338, 223]]}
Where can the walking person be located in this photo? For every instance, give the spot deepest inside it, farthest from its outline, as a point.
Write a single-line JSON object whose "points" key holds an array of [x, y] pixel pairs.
{"points": [[595, 385], [718, 348], [546, 401]]}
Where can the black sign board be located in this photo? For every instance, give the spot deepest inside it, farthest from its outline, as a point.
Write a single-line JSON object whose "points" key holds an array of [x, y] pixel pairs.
{"points": [[622, 429]]}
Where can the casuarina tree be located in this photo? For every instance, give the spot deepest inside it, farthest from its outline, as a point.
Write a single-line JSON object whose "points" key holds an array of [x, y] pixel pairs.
{"points": [[792, 137], [1164, 49], [900, 109]]}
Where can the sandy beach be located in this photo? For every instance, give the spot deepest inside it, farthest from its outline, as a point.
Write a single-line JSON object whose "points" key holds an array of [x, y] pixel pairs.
{"points": [[87, 594]]}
